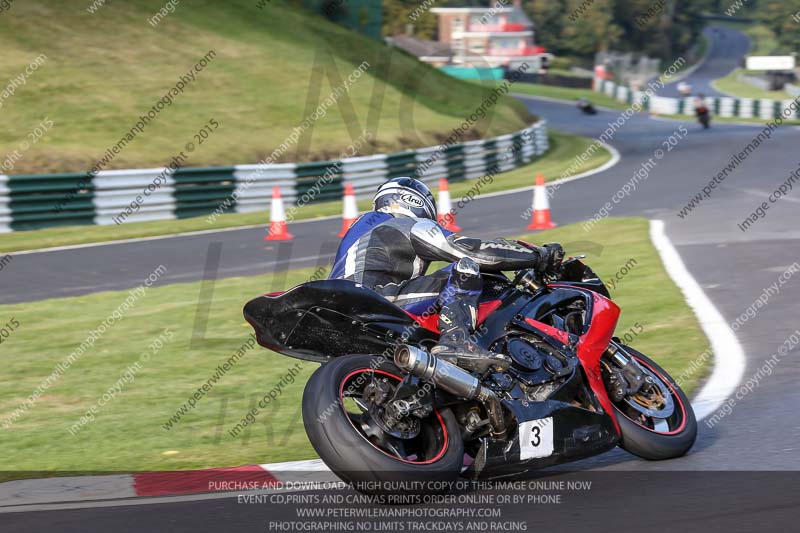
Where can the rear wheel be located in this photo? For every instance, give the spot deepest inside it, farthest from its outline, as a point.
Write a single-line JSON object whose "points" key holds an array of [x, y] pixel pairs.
{"points": [[658, 423], [349, 430]]}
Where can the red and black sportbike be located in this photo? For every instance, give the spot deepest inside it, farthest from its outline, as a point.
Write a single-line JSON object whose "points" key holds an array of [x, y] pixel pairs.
{"points": [[382, 408]]}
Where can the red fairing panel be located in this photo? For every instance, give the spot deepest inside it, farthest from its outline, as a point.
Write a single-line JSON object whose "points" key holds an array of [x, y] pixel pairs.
{"points": [[556, 333], [487, 308], [594, 342]]}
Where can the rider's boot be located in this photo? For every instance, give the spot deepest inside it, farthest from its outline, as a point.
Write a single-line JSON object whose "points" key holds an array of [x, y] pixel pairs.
{"points": [[457, 322]]}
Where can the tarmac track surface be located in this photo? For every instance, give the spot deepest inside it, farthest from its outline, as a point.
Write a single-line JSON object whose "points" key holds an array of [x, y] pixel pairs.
{"points": [[727, 46]]}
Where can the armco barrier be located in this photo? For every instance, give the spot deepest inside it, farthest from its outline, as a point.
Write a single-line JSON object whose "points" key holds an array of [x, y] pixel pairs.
{"points": [[117, 189], [724, 106], [122, 196], [254, 185], [5, 211]]}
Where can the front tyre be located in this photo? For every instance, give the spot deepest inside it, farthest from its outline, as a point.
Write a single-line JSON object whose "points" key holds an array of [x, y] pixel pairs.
{"points": [[348, 432], [646, 432]]}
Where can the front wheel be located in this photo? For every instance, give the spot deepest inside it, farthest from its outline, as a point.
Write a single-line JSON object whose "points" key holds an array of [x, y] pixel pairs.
{"points": [[659, 423], [349, 429]]}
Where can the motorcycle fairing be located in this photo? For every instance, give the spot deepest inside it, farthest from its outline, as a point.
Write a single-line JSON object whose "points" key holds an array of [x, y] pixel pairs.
{"points": [[320, 320], [578, 432], [602, 316], [593, 343], [577, 274], [597, 332]]}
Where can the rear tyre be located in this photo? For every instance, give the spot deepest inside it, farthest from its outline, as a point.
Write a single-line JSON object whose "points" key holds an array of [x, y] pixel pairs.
{"points": [[344, 432], [651, 437]]}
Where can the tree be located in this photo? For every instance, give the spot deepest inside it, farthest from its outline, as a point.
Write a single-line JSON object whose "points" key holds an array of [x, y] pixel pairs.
{"points": [[398, 14], [591, 31], [547, 16], [783, 19]]}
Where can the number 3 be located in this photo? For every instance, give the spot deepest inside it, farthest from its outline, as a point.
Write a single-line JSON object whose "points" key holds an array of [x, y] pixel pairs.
{"points": [[536, 439]]}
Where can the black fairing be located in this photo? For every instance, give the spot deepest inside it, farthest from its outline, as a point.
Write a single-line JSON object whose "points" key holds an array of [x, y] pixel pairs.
{"points": [[323, 319], [580, 275], [578, 432]]}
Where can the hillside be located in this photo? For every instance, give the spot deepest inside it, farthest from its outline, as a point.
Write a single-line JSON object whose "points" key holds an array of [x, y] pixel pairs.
{"points": [[269, 69]]}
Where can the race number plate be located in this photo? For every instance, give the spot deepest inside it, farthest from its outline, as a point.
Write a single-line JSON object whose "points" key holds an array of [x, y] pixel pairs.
{"points": [[536, 438]]}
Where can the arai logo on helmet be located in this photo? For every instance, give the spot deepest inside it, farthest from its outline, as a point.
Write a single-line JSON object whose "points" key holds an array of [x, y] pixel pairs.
{"points": [[412, 200]]}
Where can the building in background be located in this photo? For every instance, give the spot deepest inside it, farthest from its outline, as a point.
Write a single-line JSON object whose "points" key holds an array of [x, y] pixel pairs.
{"points": [[479, 42], [499, 36]]}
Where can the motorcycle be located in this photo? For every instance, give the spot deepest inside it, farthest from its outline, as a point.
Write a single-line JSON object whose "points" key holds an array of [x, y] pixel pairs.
{"points": [[382, 409], [703, 116], [586, 106]]}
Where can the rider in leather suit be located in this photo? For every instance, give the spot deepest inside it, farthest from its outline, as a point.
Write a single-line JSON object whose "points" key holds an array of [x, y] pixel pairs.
{"points": [[389, 250]]}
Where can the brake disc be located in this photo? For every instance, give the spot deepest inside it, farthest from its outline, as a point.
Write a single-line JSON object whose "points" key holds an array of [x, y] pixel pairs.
{"points": [[657, 403]]}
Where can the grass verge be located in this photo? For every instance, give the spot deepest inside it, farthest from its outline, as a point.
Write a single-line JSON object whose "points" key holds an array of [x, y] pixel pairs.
{"points": [[563, 150], [127, 433], [273, 65], [568, 93], [731, 84]]}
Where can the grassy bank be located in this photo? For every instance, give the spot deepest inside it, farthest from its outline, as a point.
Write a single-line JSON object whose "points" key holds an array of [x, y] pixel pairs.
{"points": [[128, 432], [563, 150], [271, 69], [731, 85], [568, 93]]}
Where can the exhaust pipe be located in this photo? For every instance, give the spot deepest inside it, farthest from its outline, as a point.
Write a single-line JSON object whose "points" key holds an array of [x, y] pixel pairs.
{"points": [[452, 379]]}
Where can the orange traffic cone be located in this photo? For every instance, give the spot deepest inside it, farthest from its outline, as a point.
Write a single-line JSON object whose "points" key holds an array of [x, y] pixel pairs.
{"points": [[350, 214], [447, 216], [278, 230], [541, 206]]}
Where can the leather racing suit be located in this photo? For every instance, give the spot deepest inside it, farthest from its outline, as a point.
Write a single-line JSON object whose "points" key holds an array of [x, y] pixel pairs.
{"points": [[391, 254]]}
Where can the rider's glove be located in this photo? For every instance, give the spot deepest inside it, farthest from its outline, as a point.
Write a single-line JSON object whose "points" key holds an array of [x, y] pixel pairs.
{"points": [[552, 254]]}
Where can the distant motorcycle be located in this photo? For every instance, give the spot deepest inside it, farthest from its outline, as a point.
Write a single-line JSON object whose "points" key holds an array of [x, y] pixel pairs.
{"points": [[586, 106], [703, 116]]}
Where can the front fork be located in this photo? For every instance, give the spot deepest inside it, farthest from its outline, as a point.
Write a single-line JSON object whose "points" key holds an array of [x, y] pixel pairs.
{"points": [[622, 374]]}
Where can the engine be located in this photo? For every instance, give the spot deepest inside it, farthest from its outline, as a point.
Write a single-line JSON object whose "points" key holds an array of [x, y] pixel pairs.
{"points": [[537, 368], [538, 359]]}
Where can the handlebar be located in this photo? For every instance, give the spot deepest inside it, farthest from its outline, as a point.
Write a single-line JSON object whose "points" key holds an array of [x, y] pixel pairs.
{"points": [[533, 280]]}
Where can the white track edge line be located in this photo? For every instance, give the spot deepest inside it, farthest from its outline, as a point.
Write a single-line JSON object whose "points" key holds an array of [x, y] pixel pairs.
{"points": [[729, 357], [615, 158]]}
